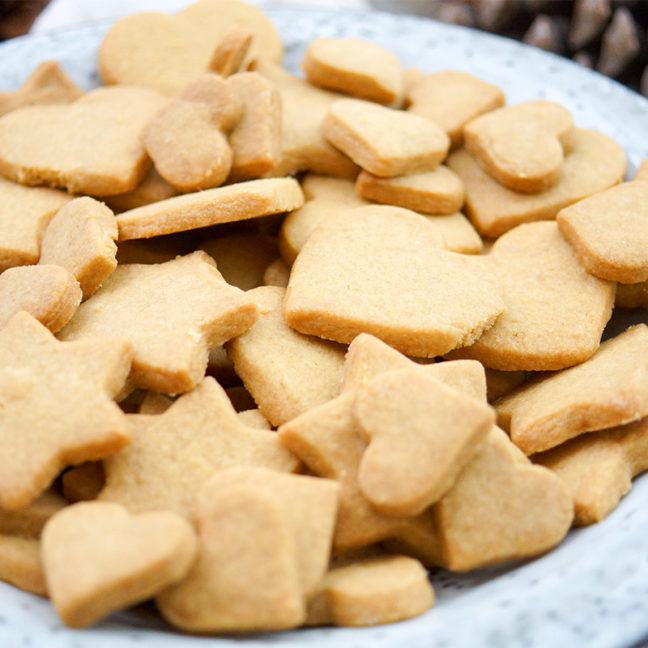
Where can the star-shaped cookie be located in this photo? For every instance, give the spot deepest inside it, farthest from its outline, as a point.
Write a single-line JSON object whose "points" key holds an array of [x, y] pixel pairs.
{"points": [[172, 313], [56, 404]]}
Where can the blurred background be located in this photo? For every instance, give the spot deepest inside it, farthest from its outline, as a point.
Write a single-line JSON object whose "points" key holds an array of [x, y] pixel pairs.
{"points": [[610, 36]]}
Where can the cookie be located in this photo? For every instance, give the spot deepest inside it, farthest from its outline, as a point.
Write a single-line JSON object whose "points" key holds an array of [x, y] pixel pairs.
{"points": [[608, 232], [21, 565], [81, 238], [354, 66], [383, 270], [500, 383], [28, 521], [501, 508], [178, 310], [186, 144], [286, 372], [406, 468], [595, 163], [48, 145], [607, 390], [164, 52], [429, 192], [632, 295], [256, 140], [458, 233], [254, 418], [50, 389], [46, 84], [229, 55], [242, 259], [235, 202], [276, 274], [598, 468], [371, 591], [48, 293], [451, 99], [154, 403], [324, 196], [303, 109], [642, 172], [522, 146], [202, 434], [20, 238], [541, 276], [384, 141], [99, 559]]}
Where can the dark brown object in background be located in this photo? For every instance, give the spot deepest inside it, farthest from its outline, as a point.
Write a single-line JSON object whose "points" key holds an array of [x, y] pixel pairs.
{"points": [[17, 16]]}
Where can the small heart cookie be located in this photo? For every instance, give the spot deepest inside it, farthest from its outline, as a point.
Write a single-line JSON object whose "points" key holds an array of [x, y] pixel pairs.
{"points": [[99, 559]]}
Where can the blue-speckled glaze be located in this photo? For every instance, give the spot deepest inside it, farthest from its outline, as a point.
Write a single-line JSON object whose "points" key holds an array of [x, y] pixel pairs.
{"points": [[592, 590]]}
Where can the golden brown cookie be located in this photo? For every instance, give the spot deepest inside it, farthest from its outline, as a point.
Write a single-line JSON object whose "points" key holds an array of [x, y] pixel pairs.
{"points": [[542, 276], [178, 310], [153, 188], [595, 163], [229, 55], [632, 295], [235, 202], [81, 238], [598, 468], [47, 292], [420, 435], [458, 233], [50, 390], [47, 84], [325, 197], [354, 66], [202, 434], [286, 372], [20, 238], [21, 565], [608, 232], [99, 559], [382, 270], [49, 145], [257, 138], [303, 108], [277, 274], [83, 482], [384, 141], [607, 390], [522, 146], [28, 521], [429, 192], [165, 52], [371, 591], [451, 99]]}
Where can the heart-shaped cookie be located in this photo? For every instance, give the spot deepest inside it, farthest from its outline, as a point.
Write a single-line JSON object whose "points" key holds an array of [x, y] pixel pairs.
{"points": [[164, 52], [99, 559], [501, 508], [49, 145], [522, 146]]}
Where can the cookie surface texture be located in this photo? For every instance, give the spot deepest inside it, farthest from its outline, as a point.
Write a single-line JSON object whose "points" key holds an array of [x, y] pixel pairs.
{"points": [[382, 270], [57, 388], [179, 310], [99, 559], [48, 145], [540, 274]]}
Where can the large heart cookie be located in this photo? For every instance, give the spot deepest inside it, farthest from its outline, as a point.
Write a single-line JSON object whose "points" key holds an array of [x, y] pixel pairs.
{"points": [[99, 559], [165, 52]]}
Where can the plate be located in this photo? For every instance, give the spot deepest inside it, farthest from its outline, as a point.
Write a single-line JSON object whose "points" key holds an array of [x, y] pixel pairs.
{"points": [[590, 591]]}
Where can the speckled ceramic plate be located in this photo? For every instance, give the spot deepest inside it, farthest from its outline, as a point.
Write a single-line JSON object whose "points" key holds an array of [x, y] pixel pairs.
{"points": [[592, 590]]}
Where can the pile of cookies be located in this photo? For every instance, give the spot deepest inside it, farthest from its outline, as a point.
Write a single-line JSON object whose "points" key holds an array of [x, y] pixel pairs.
{"points": [[273, 345]]}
